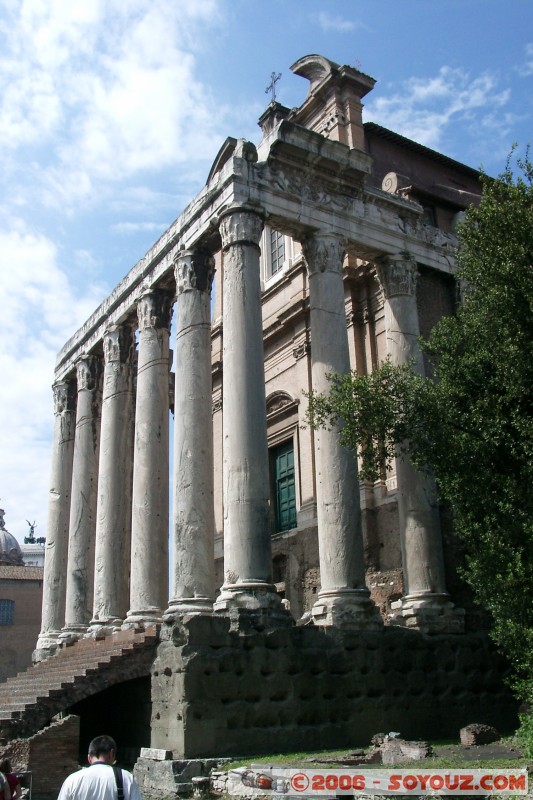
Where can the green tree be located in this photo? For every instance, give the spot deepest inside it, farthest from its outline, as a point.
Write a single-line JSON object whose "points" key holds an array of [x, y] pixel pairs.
{"points": [[473, 420]]}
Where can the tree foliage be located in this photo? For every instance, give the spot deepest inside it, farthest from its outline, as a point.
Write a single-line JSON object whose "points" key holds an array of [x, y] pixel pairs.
{"points": [[473, 420]]}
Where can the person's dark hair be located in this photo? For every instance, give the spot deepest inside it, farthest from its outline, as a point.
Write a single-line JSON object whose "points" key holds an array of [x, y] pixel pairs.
{"points": [[5, 765], [102, 746]]}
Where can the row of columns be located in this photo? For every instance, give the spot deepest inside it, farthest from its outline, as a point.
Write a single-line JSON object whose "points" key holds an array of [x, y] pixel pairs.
{"points": [[110, 464]]}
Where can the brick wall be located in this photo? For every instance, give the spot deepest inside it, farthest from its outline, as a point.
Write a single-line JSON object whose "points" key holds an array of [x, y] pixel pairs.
{"points": [[18, 640], [50, 755]]}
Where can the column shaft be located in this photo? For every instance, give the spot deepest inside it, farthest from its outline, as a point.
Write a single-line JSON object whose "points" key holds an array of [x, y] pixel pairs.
{"points": [[113, 522], [149, 530], [56, 551], [343, 599], [426, 603], [82, 524], [193, 513], [247, 545]]}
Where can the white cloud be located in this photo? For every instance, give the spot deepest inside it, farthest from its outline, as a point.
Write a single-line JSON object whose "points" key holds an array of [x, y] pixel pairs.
{"points": [[40, 308], [330, 22], [424, 109], [135, 227], [101, 91], [526, 68]]}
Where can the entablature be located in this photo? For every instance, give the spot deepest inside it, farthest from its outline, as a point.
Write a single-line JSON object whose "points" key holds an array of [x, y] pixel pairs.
{"points": [[304, 184]]}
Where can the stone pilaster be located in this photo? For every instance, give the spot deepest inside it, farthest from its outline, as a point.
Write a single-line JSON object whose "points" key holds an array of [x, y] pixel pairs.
{"points": [[343, 600], [56, 552], [82, 524], [149, 529], [193, 512], [248, 586], [113, 519], [426, 604]]}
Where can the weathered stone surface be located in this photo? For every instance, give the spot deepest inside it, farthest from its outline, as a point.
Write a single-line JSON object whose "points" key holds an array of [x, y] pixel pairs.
{"points": [[343, 599], [310, 687], [168, 778], [55, 565], [149, 525], [394, 751], [476, 733], [248, 585], [193, 515], [155, 755]]}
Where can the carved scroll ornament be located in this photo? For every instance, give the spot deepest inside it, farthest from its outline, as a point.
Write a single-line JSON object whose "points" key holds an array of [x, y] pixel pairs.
{"points": [[194, 269]]}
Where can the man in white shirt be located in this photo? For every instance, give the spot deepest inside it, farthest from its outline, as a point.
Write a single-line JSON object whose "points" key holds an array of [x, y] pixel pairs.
{"points": [[98, 781]]}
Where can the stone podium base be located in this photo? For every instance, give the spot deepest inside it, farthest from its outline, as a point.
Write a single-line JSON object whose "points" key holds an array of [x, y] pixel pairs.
{"points": [[218, 691]]}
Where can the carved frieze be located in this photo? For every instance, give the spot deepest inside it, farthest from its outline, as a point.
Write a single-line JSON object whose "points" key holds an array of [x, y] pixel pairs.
{"points": [[194, 269], [397, 276], [309, 188], [241, 227], [154, 309], [324, 252]]}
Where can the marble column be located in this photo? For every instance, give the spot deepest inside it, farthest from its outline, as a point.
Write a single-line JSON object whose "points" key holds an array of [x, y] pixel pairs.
{"points": [[193, 513], [343, 600], [56, 551], [248, 586], [426, 604], [113, 518], [82, 524], [149, 528]]}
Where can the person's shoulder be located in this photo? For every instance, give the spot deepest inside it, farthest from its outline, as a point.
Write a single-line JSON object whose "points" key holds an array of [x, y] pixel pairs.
{"points": [[74, 777]]}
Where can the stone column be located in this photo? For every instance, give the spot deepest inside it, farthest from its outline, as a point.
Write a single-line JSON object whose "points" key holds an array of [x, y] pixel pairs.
{"points": [[193, 514], [426, 604], [80, 567], [113, 519], [56, 551], [343, 600], [149, 529], [248, 586]]}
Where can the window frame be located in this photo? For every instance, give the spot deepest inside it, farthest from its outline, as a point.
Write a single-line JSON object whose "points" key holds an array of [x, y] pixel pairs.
{"points": [[7, 611]]}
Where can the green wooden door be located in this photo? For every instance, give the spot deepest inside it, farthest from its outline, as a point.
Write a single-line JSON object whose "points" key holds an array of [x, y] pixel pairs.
{"points": [[284, 487]]}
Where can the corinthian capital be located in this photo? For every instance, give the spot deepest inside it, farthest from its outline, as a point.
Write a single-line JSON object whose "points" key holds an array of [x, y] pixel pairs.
{"points": [[194, 269], [241, 227], [397, 276], [154, 309], [64, 396], [118, 342], [88, 370], [324, 252]]}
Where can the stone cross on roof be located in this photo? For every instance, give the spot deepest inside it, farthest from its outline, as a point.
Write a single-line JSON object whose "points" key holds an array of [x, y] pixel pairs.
{"points": [[272, 85]]}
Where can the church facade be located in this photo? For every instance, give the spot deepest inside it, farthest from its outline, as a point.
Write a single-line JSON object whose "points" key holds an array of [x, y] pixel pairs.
{"points": [[331, 244]]}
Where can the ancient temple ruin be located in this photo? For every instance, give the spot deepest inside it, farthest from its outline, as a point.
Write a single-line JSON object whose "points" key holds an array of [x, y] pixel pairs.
{"points": [[364, 222]]}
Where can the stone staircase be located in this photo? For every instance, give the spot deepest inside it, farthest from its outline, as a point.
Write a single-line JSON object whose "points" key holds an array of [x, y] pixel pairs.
{"points": [[30, 700]]}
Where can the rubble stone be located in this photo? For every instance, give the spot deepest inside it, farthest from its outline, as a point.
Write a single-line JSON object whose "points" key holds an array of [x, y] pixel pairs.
{"points": [[476, 733]]}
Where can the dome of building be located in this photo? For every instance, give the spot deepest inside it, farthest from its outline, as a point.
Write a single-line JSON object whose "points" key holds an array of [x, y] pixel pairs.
{"points": [[10, 552]]}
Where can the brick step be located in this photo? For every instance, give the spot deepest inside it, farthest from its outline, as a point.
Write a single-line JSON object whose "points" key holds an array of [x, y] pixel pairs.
{"points": [[66, 666], [48, 683]]}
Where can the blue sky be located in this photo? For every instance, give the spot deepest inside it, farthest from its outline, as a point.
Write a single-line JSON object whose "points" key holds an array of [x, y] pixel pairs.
{"points": [[113, 110]]}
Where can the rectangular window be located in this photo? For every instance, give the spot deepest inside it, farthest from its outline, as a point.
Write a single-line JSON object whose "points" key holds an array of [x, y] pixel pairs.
{"points": [[277, 251], [282, 460], [7, 612]]}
